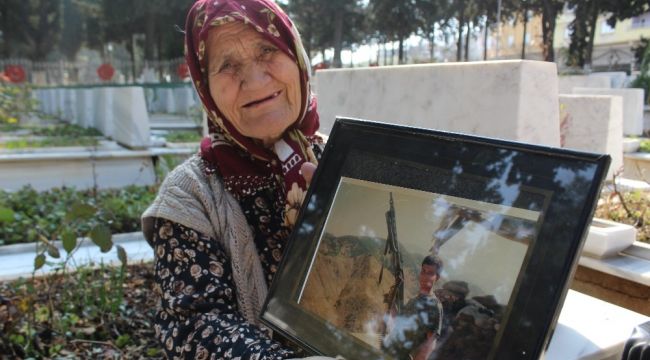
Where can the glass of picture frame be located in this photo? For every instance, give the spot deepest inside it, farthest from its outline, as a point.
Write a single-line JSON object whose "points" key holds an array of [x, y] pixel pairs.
{"points": [[415, 243]]}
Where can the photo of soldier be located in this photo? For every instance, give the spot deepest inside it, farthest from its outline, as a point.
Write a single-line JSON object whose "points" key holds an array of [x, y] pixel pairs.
{"points": [[416, 329]]}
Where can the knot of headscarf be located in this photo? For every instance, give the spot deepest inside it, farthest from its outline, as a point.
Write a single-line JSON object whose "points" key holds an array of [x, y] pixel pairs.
{"points": [[243, 163]]}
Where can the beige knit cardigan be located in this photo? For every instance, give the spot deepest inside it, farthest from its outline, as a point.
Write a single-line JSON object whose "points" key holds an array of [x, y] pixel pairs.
{"points": [[190, 197]]}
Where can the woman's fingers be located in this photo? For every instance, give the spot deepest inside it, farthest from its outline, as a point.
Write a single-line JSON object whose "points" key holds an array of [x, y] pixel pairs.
{"points": [[307, 170]]}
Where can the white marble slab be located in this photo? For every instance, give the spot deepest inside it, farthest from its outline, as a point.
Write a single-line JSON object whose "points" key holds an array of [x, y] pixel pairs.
{"points": [[593, 123], [632, 106], [104, 114], [607, 238], [618, 79], [566, 83], [637, 166], [44, 172], [18, 260], [589, 328], [632, 264], [514, 100], [131, 119]]}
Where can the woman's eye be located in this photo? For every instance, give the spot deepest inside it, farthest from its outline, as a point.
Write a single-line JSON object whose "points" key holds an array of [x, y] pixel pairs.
{"points": [[268, 50], [225, 67]]}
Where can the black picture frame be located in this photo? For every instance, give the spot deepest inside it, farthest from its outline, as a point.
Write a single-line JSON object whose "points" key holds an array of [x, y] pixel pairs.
{"points": [[523, 209]]}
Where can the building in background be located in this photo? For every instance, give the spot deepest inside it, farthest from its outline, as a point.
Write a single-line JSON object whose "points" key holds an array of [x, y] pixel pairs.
{"points": [[612, 45]]}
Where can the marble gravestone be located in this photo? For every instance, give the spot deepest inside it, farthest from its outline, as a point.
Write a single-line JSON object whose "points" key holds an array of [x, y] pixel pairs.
{"points": [[130, 120], [118, 112], [632, 106], [566, 83], [593, 123], [514, 100]]}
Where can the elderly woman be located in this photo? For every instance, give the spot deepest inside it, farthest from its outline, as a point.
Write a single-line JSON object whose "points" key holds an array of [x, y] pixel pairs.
{"points": [[221, 221]]}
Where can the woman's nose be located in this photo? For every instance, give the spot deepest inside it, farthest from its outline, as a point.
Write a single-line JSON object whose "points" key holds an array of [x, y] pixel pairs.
{"points": [[254, 76]]}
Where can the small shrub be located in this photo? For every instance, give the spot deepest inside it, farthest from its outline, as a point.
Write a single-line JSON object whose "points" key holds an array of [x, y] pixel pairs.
{"points": [[41, 213], [645, 146], [16, 103], [632, 208]]}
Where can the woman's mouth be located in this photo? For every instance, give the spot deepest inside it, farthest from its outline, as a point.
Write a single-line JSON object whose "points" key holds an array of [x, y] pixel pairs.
{"points": [[263, 100]]}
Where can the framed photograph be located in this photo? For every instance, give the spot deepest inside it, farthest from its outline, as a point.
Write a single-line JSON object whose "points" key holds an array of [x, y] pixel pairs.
{"points": [[421, 244]]}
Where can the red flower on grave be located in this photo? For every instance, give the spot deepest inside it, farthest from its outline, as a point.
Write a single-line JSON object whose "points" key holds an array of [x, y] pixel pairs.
{"points": [[183, 70], [105, 71], [15, 73]]}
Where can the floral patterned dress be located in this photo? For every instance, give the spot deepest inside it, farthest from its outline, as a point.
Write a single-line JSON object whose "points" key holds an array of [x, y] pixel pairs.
{"points": [[198, 316]]}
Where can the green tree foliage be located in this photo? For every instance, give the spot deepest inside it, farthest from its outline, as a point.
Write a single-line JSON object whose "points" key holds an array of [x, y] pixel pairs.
{"points": [[549, 10], [35, 28], [30, 28], [431, 14], [328, 24], [394, 20], [156, 19], [583, 27]]}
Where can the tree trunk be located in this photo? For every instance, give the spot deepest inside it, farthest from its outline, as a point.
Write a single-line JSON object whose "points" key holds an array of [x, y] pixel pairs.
{"points": [[150, 35], [523, 40], [308, 36], [338, 39], [549, 14], [400, 51], [467, 37], [432, 46], [461, 24], [485, 37], [592, 32]]}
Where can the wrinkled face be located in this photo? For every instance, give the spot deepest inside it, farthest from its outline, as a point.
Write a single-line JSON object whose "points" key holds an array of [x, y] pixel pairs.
{"points": [[428, 277], [254, 84]]}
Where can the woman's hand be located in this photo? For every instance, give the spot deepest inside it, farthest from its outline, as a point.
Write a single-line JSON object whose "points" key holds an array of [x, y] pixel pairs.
{"points": [[307, 170]]}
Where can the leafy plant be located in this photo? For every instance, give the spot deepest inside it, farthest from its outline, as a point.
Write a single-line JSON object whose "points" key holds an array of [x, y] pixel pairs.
{"points": [[16, 103], [628, 207], [84, 298], [645, 146], [40, 213]]}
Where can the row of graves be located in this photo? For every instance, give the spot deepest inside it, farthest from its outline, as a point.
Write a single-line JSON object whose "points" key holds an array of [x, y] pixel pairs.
{"points": [[134, 126], [523, 101]]}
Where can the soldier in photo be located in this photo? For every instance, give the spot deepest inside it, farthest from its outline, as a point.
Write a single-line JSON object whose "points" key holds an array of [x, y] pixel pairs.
{"points": [[417, 327]]}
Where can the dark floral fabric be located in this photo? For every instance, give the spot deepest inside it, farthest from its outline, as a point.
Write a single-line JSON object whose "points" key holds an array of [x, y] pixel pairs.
{"points": [[198, 317]]}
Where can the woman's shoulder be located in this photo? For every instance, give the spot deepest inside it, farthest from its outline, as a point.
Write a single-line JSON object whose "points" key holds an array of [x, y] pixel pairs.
{"points": [[183, 196], [187, 174]]}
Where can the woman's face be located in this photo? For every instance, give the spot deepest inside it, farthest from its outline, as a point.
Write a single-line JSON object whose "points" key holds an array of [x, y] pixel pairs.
{"points": [[254, 84]]}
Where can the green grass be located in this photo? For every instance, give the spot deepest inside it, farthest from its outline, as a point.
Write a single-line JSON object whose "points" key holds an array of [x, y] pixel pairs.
{"points": [[49, 142], [183, 136]]}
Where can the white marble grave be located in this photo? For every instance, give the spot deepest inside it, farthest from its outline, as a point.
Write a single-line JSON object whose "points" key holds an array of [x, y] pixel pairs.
{"points": [[82, 169], [515, 99], [593, 123], [130, 120], [103, 99], [118, 112], [632, 106], [566, 83], [607, 238]]}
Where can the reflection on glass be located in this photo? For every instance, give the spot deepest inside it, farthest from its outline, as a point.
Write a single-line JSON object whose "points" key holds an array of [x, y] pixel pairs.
{"points": [[417, 274]]}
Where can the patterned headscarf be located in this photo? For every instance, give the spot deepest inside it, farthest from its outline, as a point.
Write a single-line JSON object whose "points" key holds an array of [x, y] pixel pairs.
{"points": [[245, 165]]}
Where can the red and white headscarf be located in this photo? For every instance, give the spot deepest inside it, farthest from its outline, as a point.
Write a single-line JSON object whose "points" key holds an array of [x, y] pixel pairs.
{"points": [[245, 165]]}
